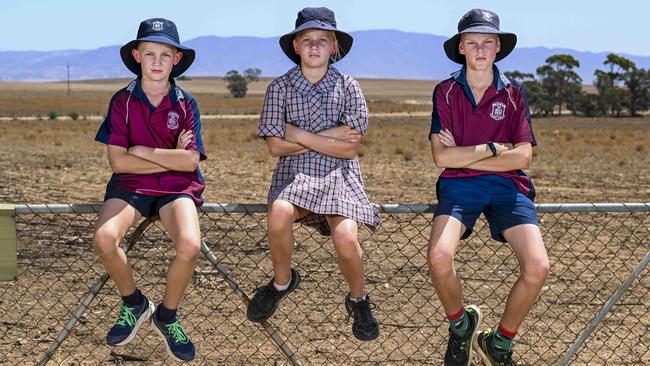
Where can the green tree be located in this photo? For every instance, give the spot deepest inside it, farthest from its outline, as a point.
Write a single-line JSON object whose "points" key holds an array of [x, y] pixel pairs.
{"points": [[559, 80], [237, 84], [637, 82], [252, 74], [613, 98]]}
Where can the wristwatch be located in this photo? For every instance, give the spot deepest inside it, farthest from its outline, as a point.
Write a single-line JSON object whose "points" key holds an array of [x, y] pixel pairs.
{"points": [[492, 148]]}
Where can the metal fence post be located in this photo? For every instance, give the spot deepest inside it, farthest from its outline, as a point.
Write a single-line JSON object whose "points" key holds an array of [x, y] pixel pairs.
{"points": [[8, 259]]}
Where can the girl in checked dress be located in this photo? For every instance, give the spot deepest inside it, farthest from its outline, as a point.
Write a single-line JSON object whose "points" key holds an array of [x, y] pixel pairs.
{"points": [[313, 120]]}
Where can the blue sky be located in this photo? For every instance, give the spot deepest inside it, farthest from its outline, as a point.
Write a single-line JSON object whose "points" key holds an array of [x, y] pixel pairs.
{"points": [[617, 26]]}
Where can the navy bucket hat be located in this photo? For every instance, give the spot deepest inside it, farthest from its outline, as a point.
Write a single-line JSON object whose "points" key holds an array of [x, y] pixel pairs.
{"points": [[158, 30], [315, 18], [480, 21]]}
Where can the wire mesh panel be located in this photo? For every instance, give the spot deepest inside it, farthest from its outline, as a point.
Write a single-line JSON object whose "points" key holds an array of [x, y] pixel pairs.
{"points": [[591, 252]]}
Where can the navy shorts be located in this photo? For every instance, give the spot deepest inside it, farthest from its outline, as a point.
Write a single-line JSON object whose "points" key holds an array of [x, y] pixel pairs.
{"points": [[503, 205], [148, 206]]}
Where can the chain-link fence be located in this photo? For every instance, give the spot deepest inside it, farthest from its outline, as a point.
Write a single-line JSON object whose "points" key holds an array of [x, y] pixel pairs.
{"points": [[592, 250]]}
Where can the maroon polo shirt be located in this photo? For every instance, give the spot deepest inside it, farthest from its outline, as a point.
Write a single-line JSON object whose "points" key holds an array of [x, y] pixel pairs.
{"points": [[156, 127], [501, 116]]}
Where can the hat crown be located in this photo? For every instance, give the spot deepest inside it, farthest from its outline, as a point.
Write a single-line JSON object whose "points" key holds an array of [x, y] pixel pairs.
{"points": [[323, 15], [478, 17], [159, 27]]}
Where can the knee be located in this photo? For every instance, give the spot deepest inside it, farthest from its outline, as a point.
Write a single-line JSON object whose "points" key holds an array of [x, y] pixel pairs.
{"points": [[347, 246], [188, 249], [106, 241], [279, 218], [440, 261], [536, 272]]}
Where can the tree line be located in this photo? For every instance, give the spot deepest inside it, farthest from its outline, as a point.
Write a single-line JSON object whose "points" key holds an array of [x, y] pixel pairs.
{"points": [[623, 89]]}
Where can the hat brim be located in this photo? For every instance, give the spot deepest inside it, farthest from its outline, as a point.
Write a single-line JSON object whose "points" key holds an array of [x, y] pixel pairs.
{"points": [[508, 42], [178, 69], [344, 40]]}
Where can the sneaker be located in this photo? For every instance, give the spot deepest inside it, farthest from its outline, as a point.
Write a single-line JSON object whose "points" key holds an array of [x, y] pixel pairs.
{"points": [[267, 298], [130, 320], [179, 347], [485, 351], [459, 350], [365, 327]]}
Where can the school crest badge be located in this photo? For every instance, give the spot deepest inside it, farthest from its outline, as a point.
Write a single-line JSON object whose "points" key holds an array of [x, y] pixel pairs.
{"points": [[157, 26], [498, 111], [172, 120]]}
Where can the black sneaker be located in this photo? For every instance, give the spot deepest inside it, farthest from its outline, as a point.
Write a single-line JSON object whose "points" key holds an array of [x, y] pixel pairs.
{"points": [[129, 321], [178, 345], [459, 350], [365, 327], [485, 350], [267, 298]]}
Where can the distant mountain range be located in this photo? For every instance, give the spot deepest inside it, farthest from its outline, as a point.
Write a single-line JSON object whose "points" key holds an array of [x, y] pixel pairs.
{"points": [[375, 54]]}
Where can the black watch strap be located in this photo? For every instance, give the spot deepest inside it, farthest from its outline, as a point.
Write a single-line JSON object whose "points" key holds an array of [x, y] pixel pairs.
{"points": [[492, 148]]}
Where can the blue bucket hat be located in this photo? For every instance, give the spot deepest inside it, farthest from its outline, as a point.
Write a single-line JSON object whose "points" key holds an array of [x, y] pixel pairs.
{"points": [[315, 18], [158, 30], [480, 21]]}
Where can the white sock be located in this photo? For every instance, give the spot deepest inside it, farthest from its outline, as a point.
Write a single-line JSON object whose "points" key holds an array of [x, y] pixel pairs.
{"points": [[282, 287], [365, 296]]}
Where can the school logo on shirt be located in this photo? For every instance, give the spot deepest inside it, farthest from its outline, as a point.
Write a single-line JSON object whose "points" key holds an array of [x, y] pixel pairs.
{"points": [[157, 26], [498, 111], [172, 120]]}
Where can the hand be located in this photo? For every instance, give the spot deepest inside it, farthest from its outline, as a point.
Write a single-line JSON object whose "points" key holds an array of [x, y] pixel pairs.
{"points": [[447, 138], [342, 132], [184, 139]]}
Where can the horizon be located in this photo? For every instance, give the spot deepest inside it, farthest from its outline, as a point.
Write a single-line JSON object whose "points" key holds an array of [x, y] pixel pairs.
{"points": [[603, 28]]}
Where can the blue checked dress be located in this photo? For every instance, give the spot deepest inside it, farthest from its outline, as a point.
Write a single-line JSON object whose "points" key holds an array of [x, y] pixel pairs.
{"points": [[322, 184]]}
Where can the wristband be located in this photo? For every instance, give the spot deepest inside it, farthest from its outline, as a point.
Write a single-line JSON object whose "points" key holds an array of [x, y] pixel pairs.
{"points": [[492, 148]]}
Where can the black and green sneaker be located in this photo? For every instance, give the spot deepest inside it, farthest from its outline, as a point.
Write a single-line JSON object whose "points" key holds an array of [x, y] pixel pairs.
{"points": [[178, 345], [486, 351], [129, 321], [459, 349]]}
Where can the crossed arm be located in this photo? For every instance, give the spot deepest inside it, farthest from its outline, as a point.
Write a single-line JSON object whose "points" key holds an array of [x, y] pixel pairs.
{"points": [[145, 160], [479, 157], [339, 142]]}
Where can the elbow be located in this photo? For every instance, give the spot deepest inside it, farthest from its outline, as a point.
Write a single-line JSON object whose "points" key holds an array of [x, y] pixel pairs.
{"points": [[440, 161], [273, 150], [526, 161], [115, 166]]}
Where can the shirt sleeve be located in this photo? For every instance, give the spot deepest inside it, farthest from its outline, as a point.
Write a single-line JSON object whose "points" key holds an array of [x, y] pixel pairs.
{"points": [[441, 113], [114, 130], [193, 123], [522, 126], [272, 118], [355, 110]]}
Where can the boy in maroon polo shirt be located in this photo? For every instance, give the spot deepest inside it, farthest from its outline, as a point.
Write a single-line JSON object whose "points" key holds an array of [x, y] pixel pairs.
{"points": [[481, 134], [152, 133]]}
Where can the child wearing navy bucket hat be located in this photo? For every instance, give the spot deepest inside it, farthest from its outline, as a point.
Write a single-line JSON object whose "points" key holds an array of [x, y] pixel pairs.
{"points": [[153, 136], [313, 120], [481, 134]]}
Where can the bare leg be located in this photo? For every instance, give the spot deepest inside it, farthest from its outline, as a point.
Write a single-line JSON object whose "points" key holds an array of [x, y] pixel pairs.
{"points": [[349, 253], [115, 219], [526, 241], [280, 219], [182, 224], [445, 235]]}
